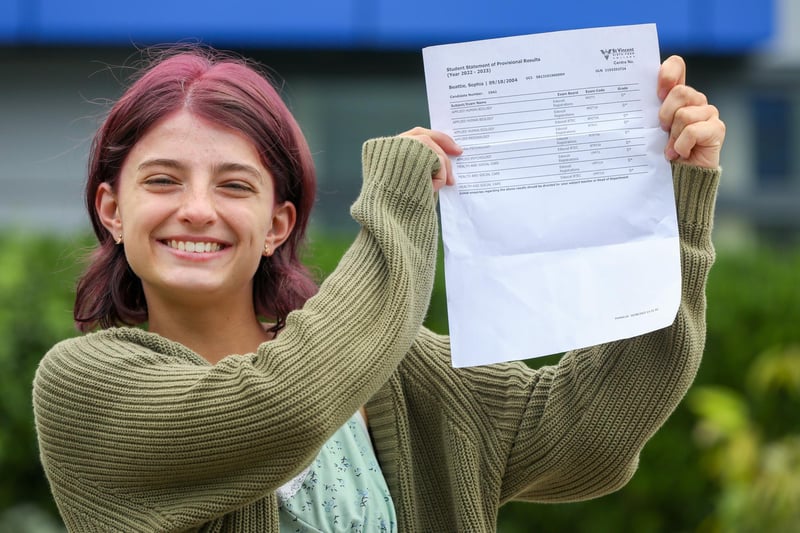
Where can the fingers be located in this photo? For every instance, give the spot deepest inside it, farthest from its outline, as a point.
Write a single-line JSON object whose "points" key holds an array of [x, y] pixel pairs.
{"points": [[444, 146], [699, 143], [440, 138], [679, 97], [696, 132], [684, 116], [671, 73]]}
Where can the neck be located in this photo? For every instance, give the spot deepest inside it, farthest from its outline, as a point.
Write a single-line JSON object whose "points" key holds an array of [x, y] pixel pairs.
{"points": [[212, 331]]}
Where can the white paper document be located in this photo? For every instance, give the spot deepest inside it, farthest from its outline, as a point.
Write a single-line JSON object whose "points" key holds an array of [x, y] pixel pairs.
{"points": [[561, 230]]}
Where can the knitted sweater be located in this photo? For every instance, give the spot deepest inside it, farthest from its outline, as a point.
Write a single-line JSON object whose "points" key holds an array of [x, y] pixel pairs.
{"points": [[138, 433]]}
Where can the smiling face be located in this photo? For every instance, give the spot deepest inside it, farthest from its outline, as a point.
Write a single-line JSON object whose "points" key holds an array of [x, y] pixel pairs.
{"points": [[195, 207]]}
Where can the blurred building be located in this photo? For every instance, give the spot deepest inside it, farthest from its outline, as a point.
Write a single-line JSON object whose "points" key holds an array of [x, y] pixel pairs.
{"points": [[352, 69]]}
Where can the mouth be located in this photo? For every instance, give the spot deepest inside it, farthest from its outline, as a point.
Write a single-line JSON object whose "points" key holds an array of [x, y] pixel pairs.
{"points": [[194, 247]]}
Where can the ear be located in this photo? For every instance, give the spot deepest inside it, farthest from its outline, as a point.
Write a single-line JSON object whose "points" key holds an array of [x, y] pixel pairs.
{"points": [[107, 208], [284, 217]]}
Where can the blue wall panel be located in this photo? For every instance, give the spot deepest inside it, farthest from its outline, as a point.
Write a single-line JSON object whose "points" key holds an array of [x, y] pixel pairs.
{"points": [[223, 21], [683, 25], [412, 21], [9, 20], [739, 24]]}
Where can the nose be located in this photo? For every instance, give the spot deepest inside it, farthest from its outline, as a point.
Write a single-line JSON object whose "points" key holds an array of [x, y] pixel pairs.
{"points": [[197, 207]]}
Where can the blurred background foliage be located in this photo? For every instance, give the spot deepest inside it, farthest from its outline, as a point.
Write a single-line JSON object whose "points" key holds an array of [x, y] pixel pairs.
{"points": [[728, 460]]}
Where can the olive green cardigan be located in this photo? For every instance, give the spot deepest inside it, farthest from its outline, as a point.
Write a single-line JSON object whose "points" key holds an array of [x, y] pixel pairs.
{"points": [[138, 433]]}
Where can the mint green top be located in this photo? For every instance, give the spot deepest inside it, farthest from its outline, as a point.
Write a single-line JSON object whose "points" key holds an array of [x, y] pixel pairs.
{"points": [[343, 490], [137, 433]]}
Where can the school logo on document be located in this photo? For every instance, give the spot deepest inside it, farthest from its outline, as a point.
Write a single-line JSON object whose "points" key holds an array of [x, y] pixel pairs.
{"points": [[618, 53]]}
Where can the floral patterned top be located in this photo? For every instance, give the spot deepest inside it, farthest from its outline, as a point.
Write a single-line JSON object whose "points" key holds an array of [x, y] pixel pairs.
{"points": [[342, 490]]}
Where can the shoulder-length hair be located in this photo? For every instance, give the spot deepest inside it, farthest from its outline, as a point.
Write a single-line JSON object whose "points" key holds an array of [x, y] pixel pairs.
{"points": [[226, 91]]}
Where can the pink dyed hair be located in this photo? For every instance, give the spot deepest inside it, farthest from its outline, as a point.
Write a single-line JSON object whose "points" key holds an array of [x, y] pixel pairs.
{"points": [[226, 91]]}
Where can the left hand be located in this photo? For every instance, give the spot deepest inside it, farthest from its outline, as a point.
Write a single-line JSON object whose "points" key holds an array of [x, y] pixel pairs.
{"points": [[444, 146], [695, 131]]}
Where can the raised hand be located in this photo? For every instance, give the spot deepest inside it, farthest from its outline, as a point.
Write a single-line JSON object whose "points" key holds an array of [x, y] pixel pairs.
{"points": [[696, 132], [444, 146]]}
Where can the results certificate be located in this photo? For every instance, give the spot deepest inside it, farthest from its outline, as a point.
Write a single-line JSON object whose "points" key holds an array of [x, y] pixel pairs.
{"points": [[561, 230]]}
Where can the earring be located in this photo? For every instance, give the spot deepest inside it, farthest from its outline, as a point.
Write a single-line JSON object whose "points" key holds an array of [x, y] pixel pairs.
{"points": [[118, 240], [267, 249]]}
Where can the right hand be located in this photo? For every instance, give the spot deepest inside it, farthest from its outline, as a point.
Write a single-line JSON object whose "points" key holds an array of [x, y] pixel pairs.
{"points": [[444, 146], [696, 132]]}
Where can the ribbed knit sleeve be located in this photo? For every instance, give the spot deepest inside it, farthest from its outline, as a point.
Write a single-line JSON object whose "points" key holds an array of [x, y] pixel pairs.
{"points": [[137, 433]]}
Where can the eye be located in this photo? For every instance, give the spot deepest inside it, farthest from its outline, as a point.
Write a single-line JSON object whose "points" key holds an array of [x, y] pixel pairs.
{"points": [[237, 186], [160, 180]]}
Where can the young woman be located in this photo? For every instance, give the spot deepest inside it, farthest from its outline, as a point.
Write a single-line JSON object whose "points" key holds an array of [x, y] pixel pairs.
{"points": [[246, 399]]}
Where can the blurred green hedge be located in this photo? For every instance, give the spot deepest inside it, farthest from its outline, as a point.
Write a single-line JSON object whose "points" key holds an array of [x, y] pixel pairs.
{"points": [[754, 309]]}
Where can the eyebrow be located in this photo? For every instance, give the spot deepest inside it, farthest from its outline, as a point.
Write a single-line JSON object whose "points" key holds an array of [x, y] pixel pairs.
{"points": [[221, 168], [218, 168], [167, 163]]}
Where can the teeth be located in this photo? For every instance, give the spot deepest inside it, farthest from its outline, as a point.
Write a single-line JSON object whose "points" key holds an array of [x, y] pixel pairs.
{"points": [[194, 247]]}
